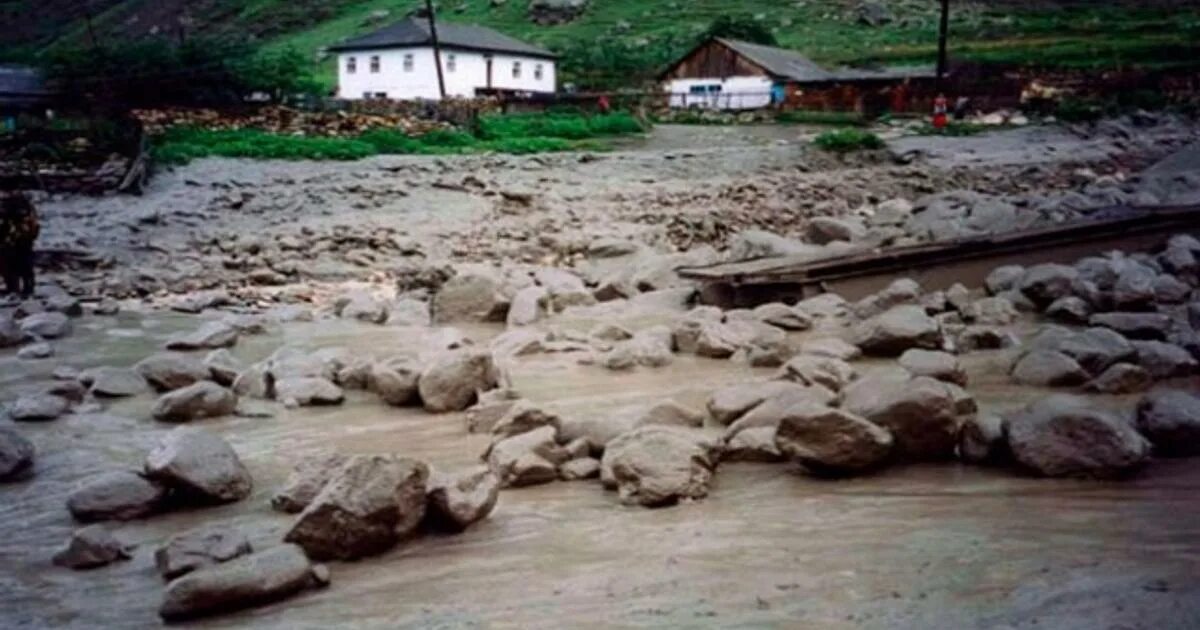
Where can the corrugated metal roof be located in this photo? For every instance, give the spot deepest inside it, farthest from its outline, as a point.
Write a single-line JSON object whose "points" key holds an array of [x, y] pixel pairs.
{"points": [[780, 62], [415, 32], [890, 73]]}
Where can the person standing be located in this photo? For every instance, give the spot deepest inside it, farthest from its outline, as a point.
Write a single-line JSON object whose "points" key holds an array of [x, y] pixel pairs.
{"points": [[939, 112], [18, 230]]}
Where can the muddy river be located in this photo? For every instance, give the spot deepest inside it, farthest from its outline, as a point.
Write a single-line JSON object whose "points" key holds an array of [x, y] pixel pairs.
{"points": [[932, 546]]}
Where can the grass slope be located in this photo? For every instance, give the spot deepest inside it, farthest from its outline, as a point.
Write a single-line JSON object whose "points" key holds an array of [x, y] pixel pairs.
{"points": [[1155, 33]]}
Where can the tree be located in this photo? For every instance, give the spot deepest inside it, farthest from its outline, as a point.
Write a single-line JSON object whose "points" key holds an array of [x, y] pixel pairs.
{"points": [[742, 28]]}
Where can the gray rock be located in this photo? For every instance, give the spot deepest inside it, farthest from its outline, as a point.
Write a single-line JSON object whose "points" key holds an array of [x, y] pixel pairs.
{"points": [[755, 444], [783, 316], [38, 408], [658, 465], [1046, 368], [1154, 326], [457, 500], [46, 325], [16, 455], [35, 351], [1134, 288], [395, 382], [368, 506], [808, 369], [829, 441], [453, 381], [223, 367], [1121, 378], [113, 382], [209, 336], [822, 230], [920, 413], [119, 495], [10, 331], [306, 481], [1004, 278], [472, 295], [1164, 360], [1170, 290], [524, 416], [831, 347], [252, 580], [308, 391], [579, 468], [1066, 436], [981, 440], [730, 403], [991, 311], [750, 244], [526, 459], [1069, 309], [1170, 419], [528, 306], [200, 465], [670, 413], [900, 291], [362, 306], [91, 547], [1045, 283], [199, 548], [1094, 349], [942, 366], [897, 330], [204, 399]]}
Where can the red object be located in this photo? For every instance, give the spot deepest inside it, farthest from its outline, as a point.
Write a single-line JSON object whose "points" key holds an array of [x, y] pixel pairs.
{"points": [[939, 111], [603, 104], [939, 121]]}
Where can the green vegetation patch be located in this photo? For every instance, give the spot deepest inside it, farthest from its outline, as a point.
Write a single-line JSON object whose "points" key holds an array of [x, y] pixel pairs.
{"points": [[847, 140]]}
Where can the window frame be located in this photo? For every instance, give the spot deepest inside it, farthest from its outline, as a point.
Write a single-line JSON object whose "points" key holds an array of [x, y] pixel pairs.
{"points": [[375, 64], [516, 69], [351, 65], [451, 62], [539, 71], [410, 62]]}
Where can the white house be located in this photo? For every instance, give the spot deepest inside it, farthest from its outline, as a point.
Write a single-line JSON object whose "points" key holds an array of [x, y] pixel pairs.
{"points": [[397, 62]]}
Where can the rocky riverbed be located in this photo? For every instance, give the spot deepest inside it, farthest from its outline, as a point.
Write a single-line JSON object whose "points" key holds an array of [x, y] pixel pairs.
{"points": [[483, 436]]}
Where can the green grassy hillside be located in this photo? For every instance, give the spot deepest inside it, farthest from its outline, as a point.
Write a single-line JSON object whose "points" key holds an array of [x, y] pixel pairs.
{"points": [[648, 33]]}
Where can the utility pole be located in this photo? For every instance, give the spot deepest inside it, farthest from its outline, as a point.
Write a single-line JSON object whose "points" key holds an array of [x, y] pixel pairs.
{"points": [[437, 49], [942, 31]]}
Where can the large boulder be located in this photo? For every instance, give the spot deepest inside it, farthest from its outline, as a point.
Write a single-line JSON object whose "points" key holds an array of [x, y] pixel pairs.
{"points": [[900, 291], [472, 295], [114, 382], [808, 369], [755, 444], [362, 306], [168, 370], [1004, 278], [223, 367], [659, 465], [528, 306], [1065, 435], [1121, 378], [199, 548], [1047, 368], [830, 441], [897, 330], [783, 316], [831, 347], [526, 459], [91, 547], [1094, 349], [38, 407], [1154, 326], [456, 500], [369, 505], [453, 381], [16, 454], [200, 465], [204, 399], [211, 335], [1170, 419], [252, 580], [119, 495], [775, 408], [920, 413], [10, 331], [524, 416], [48, 325]]}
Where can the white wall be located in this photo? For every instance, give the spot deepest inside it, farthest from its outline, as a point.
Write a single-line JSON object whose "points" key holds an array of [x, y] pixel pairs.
{"points": [[748, 92], [467, 72]]}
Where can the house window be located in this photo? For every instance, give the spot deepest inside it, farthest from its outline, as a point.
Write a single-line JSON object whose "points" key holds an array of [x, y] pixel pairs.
{"points": [[381, 95], [698, 89], [374, 64], [451, 63], [516, 69], [408, 62], [537, 72], [351, 65]]}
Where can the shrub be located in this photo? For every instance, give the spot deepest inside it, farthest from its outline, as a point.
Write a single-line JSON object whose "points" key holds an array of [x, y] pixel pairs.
{"points": [[845, 140], [570, 127]]}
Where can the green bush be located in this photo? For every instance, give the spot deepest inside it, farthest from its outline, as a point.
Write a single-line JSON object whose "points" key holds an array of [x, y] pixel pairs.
{"points": [[846, 140], [570, 127], [1079, 110]]}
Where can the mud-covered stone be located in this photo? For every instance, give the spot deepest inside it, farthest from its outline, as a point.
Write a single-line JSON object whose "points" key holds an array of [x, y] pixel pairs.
{"points": [[1065, 435]]}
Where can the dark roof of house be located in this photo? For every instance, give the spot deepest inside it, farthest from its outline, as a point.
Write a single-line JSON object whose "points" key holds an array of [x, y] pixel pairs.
{"points": [[415, 32], [779, 62]]}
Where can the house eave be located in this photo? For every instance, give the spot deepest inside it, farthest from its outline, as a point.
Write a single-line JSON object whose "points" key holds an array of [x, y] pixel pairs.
{"points": [[457, 47]]}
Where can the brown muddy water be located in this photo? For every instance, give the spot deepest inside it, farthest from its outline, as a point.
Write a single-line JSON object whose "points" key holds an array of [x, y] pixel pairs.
{"points": [[937, 546]]}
